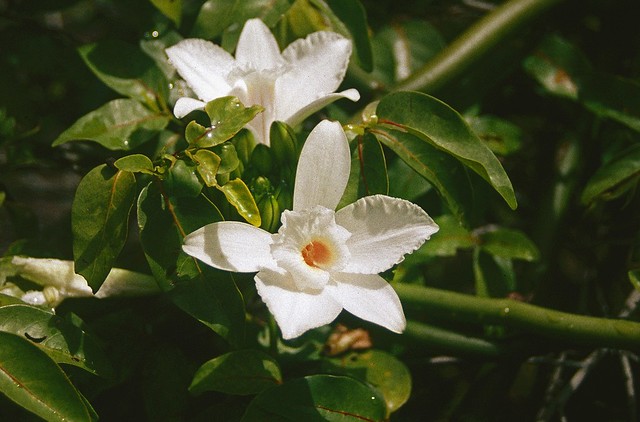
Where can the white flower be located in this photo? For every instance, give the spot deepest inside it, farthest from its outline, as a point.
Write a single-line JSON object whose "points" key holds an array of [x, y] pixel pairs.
{"points": [[322, 261], [59, 281], [290, 85]]}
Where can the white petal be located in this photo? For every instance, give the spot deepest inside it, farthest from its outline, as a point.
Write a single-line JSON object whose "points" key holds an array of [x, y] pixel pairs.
{"points": [[51, 272], [203, 65], [323, 168], [295, 311], [231, 246], [370, 297], [298, 116], [186, 105], [318, 64], [383, 230], [257, 47], [121, 282]]}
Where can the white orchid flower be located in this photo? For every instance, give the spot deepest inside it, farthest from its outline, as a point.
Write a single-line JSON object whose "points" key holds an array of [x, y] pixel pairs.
{"points": [[59, 281], [290, 85], [322, 261]]}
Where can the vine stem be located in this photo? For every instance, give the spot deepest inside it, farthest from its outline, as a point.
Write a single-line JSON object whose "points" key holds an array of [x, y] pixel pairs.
{"points": [[567, 327], [473, 43]]}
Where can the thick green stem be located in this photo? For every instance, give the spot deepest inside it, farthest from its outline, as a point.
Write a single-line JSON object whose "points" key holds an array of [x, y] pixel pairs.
{"points": [[569, 328], [472, 44]]}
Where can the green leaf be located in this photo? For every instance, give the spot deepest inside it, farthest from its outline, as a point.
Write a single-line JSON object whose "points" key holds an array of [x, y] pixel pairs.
{"points": [[317, 398], [208, 165], [284, 146], [508, 243], [229, 160], [217, 15], [209, 296], [447, 175], [120, 124], [228, 115], [437, 123], [154, 46], [32, 380], [614, 178], [446, 242], [379, 369], [99, 221], [368, 170], [238, 195], [349, 18], [183, 180], [170, 8], [634, 277], [135, 163], [494, 275], [126, 69], [242, 372], [64, 340]]}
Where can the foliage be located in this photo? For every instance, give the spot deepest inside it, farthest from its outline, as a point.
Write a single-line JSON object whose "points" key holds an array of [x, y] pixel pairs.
{"points": [[516, 125]]}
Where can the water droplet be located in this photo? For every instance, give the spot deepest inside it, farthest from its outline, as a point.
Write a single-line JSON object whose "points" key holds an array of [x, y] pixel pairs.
{"points": [[506, 310], [171, 86], [155, 34]]}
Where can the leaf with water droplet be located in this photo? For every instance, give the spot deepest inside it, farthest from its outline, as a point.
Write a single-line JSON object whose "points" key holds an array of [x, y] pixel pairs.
{"points": [[228, 115], [238, 195], [208, 165]]}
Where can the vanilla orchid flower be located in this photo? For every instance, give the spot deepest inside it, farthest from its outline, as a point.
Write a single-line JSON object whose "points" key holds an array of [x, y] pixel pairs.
{"points": [[290, 85], [322, 261]]}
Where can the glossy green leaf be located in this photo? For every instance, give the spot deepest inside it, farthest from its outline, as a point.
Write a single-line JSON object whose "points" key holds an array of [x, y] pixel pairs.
{"points": [[238, 195], [183, 180], [402, 48], [437, 123], [135, 163], [317, 398], [368, 170], [217, 15], [170, 8], [451, 237], [349, 18], [99, 221], [31, 379], [405, 182], [509, 243], [208, 165], [120, 124], [284, 145], [447, 175], [209, 296], [501, 136], [63, 339], [125, 69], [242, 372], [614, 178], [269, 213], [228, 115], [384, 372], [228, 158]]}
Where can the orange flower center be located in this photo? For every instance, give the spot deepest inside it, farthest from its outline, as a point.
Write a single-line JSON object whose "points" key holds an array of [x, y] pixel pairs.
{"points": [[316, 254]]}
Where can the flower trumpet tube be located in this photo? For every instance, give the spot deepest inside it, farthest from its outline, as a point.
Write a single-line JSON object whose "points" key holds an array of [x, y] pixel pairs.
{"points": [[290, 85], [322, 261]]}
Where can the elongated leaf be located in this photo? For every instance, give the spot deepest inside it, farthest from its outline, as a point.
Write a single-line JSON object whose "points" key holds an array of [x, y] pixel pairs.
{"points": [[241, 372], [317, 398], [368, 171], [501, 136], [379, 369], [437, 123], [63, 340], [135, 163], [99, 221], [31, 379], [238, 195], [445, 173], [120, 124], [125, 69], [614, 178], [209, 296]]}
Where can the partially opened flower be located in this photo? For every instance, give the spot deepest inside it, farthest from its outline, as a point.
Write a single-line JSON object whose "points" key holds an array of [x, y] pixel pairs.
{"points": [[322, 261], [290, 85]]}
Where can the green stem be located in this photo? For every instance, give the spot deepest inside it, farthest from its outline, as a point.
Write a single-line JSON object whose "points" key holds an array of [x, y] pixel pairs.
{"points": [[472, 44], [569, 328]]}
